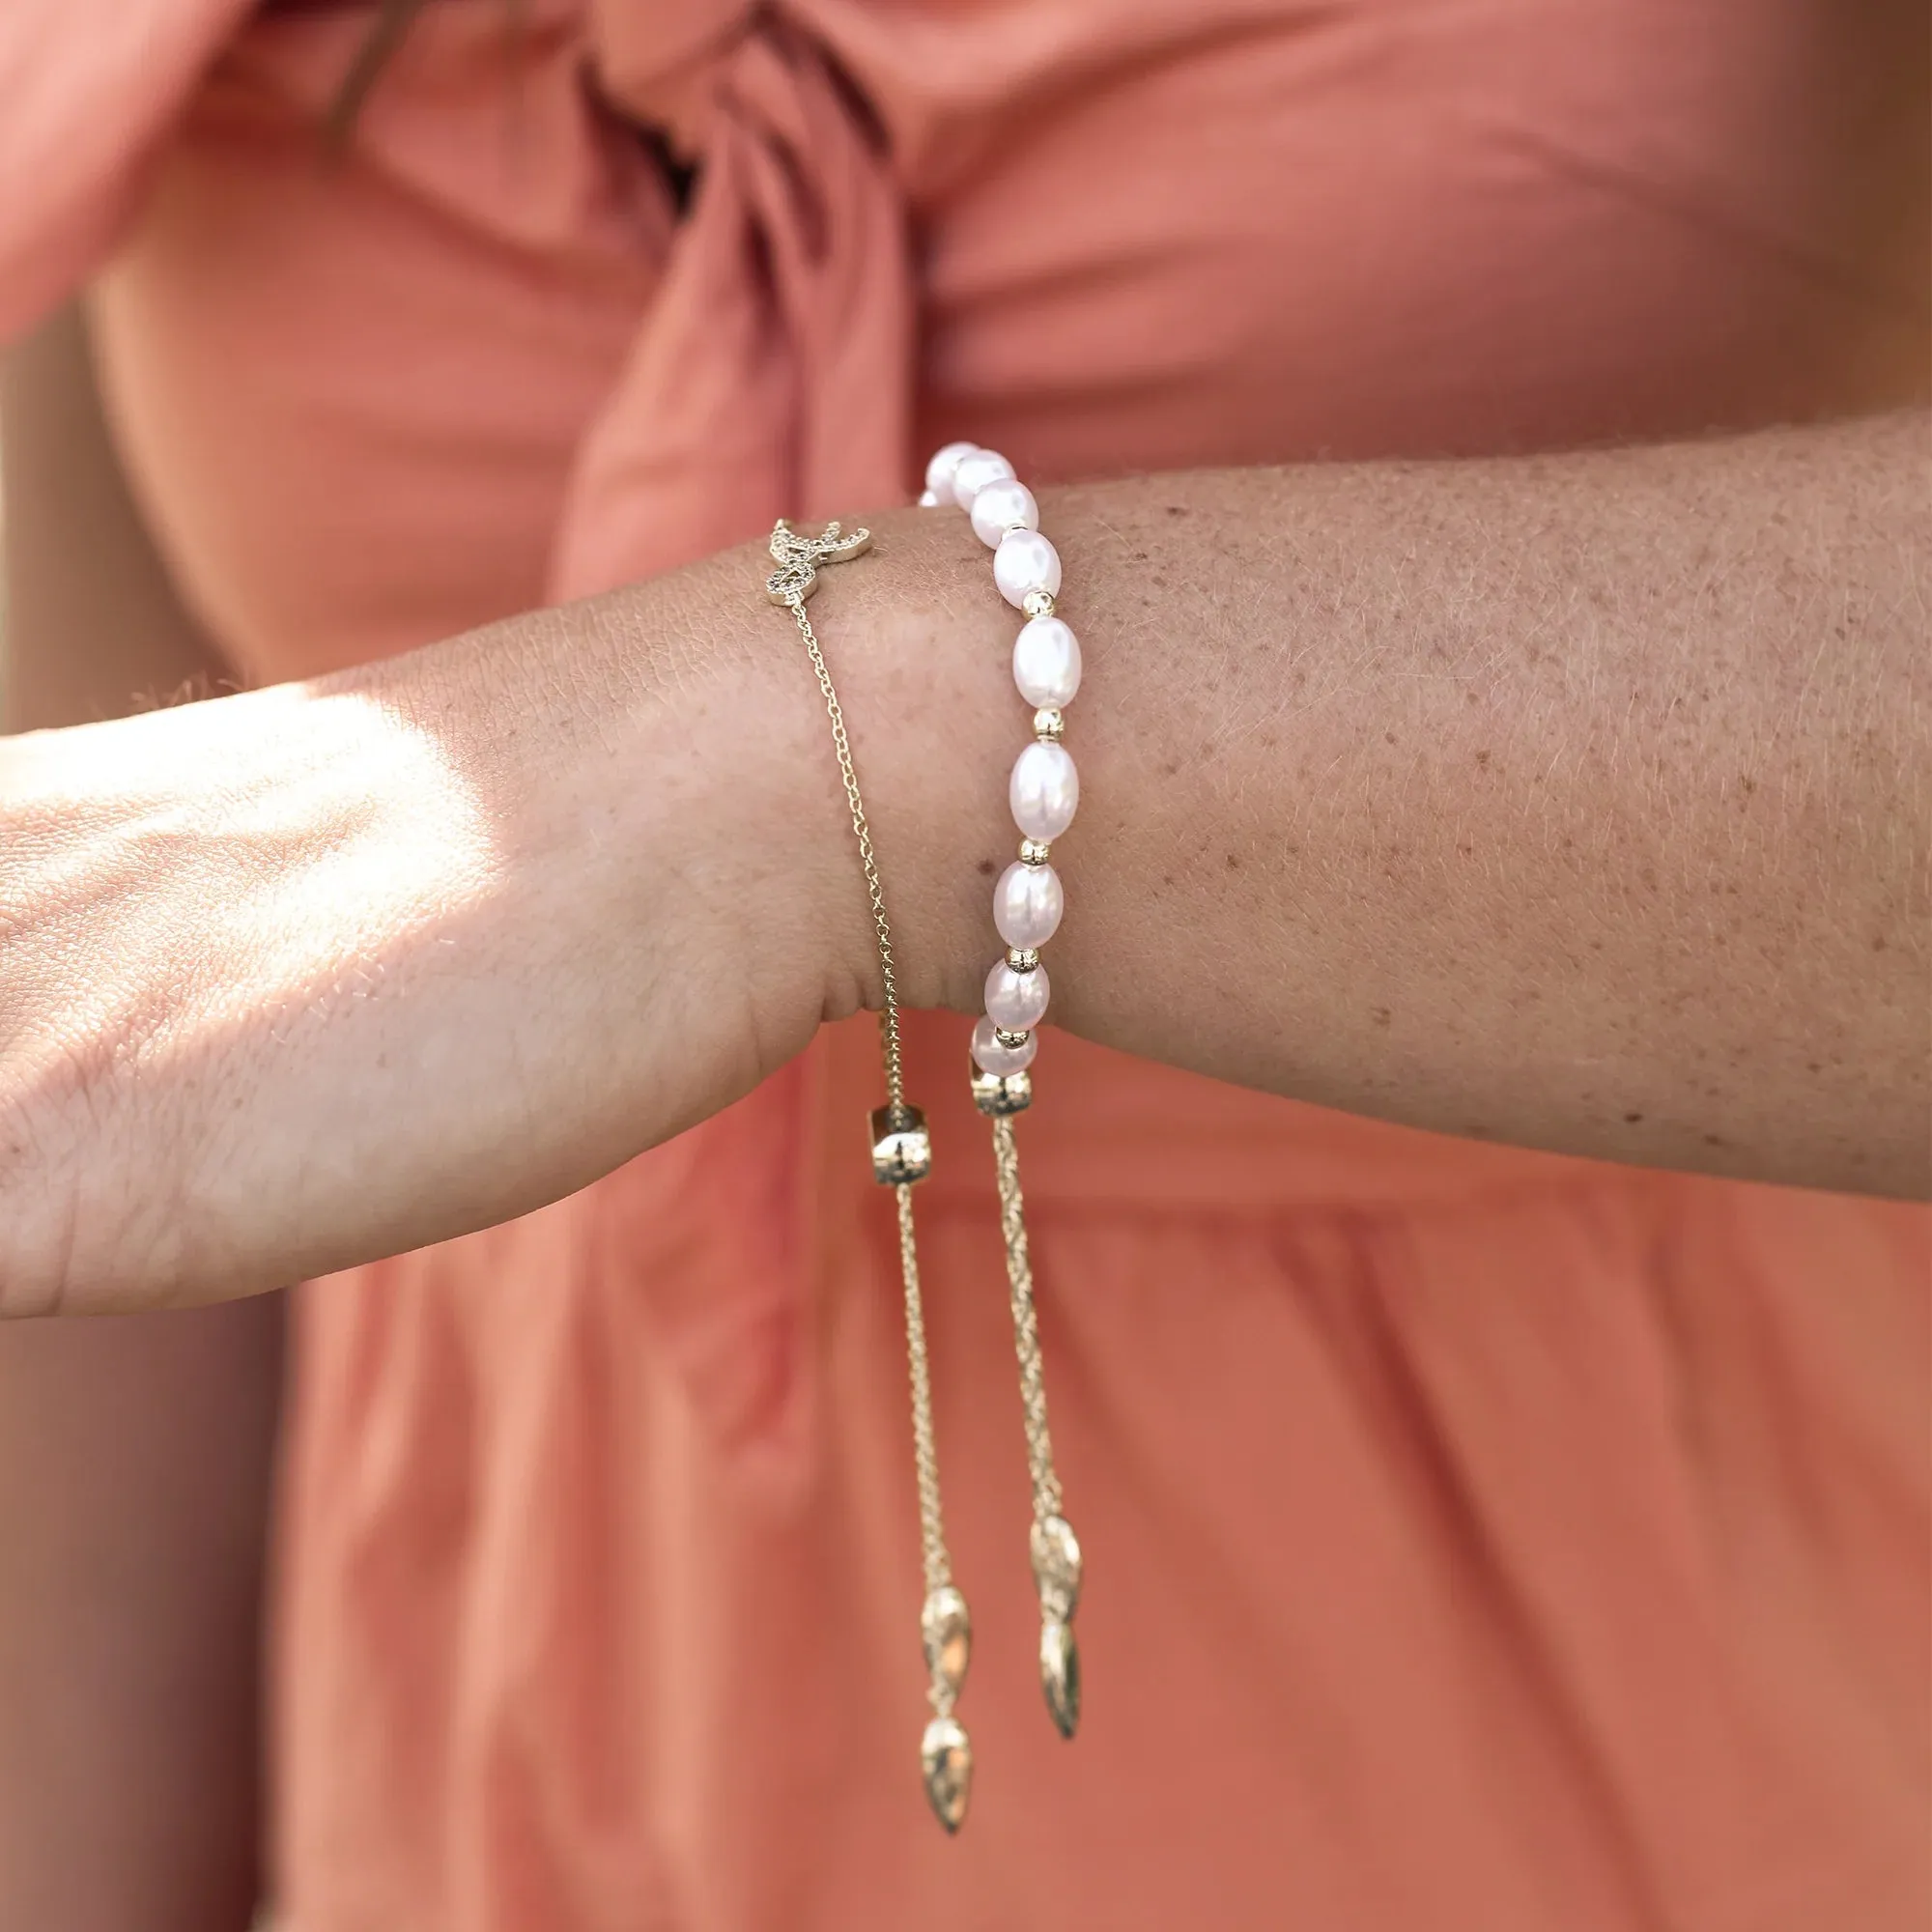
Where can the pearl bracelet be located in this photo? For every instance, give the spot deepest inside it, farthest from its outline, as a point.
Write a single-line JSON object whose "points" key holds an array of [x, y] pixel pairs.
{"points": [[1028, 901]]}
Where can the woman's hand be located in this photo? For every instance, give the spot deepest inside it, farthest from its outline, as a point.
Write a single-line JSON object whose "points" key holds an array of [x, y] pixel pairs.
{"points": [[309, 975]]}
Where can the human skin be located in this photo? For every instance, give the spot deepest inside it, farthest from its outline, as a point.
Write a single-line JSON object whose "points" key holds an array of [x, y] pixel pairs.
{"points": [[135, 1455], [1575, 800]]}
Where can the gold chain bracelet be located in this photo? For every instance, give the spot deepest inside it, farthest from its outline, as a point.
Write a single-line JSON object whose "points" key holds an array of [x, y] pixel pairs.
{"points": [[1028, 902], [901, 1158]]}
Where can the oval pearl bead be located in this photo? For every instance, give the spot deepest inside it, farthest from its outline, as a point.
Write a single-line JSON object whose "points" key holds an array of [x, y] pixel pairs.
{"points": [[1026, 562], [939, 471], [974, 471], [1027, 904], [1047, 663], [1003, 504], [1016, 1001], [992, 1055], [1044, 790]]}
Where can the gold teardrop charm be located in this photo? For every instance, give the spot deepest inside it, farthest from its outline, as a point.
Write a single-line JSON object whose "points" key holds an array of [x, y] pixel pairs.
{"points": [[1059, 1676], [946, 1753], [947, 1625], [1056, 1567]]}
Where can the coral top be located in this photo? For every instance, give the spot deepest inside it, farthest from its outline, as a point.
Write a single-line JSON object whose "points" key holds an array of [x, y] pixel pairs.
{"points": [[1475, 1539]]}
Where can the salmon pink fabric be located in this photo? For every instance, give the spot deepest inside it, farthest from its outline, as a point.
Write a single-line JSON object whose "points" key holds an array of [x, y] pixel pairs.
{"points": [[1476, 1539]]}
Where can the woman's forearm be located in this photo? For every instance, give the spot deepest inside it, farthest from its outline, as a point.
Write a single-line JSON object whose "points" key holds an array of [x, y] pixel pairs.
{"points": [[1580, 802]]}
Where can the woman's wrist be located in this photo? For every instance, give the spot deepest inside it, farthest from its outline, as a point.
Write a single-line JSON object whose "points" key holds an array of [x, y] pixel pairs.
{"points": [[922, 647], [371, 962]]}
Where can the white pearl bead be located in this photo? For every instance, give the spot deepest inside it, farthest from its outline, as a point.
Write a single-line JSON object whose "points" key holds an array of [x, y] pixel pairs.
{"points": [[1045, 789], [1015, 1001], [1047, 663], [939, 471], [992, 1055], [974, 471], [1024, 562], [1003, 504], [1027, 904]]}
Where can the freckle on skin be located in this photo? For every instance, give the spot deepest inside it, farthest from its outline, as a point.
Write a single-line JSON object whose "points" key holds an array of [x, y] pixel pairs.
{"points": [[985, 869], [1631, 1120], [1234, 863]]}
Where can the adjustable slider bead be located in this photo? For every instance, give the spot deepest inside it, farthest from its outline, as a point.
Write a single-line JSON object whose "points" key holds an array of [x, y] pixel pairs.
{"points": [[997, 1094], [901, 1147], [1035, 851], [1048, 724]]}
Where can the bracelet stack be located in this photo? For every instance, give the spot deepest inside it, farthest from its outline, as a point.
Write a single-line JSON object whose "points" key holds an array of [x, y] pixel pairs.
{"points": [[1027, 904]]}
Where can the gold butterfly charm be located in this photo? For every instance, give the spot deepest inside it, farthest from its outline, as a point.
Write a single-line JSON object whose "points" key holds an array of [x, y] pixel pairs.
{"points": [[798, 558]]}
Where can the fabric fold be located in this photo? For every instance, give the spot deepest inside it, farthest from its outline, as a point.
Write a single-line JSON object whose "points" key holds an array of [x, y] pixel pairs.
{"points": [[772, 375]]}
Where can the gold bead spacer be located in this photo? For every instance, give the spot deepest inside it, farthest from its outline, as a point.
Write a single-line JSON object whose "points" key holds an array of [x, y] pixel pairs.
{"points": [[1006, 1038], [1049, 724], [1035, 851], [1038, 603], [1022, 958]]}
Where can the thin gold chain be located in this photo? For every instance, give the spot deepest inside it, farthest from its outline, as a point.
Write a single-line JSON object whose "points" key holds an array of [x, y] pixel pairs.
{"points": [[936, 1559], [1047, 1494], [933, 1552], [888, 1018]]}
